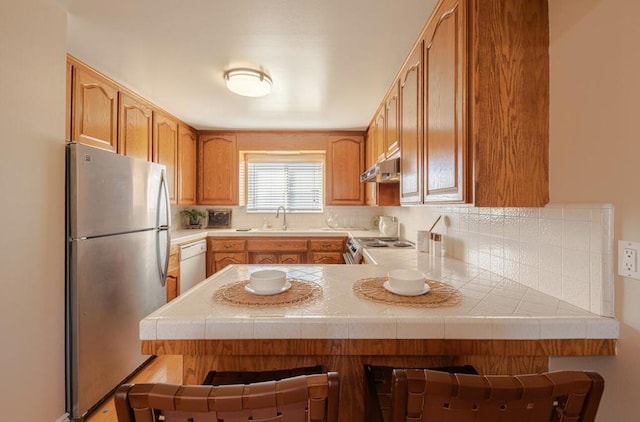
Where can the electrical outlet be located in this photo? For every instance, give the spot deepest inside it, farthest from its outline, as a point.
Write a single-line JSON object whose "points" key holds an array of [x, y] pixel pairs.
{"points": [[628, 259]]}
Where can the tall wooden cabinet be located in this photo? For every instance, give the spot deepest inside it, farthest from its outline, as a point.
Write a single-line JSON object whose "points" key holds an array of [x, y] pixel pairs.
{"points": [[187, 156], [485, 98], [392, 113], [135, 129], [94, 106], [345, 163], [165, 149], [217, 170], [411, 130], [508, 96], [446, 147]]}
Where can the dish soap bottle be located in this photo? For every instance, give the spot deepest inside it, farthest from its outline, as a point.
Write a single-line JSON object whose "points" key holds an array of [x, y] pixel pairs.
{"points": [[265, 224]]}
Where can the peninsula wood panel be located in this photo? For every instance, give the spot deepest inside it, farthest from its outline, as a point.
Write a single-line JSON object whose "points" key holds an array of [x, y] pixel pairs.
{"points": [[445, 69], [94, 109], [345, 163], [187, 164], [217, 170], [348, 357], [135, 127], [165, 149], [510, 113], [411, 126]]}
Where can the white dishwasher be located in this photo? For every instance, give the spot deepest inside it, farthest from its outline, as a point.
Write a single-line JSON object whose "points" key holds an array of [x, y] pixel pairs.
{"points": [[193, 264]]}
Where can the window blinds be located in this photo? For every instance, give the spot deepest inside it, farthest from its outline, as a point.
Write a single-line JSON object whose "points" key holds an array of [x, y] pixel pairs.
{"points": [[298, 185]]}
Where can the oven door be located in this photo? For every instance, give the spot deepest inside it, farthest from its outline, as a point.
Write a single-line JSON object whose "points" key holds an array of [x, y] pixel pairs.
{"points": [[348, 258]]}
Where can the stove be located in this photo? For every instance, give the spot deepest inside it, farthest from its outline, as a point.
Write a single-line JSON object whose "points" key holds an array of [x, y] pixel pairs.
{"points": [[355, 245]]}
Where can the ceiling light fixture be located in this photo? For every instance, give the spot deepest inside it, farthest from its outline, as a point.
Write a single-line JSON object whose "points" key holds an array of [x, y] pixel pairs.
{"points": [[248, 82]]}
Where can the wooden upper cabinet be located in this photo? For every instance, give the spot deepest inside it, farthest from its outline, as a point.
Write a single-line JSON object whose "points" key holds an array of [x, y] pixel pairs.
{"points": [[380, 133], [392, 114], [445, 69], [345, 163], [187, 147], [411, 133], [135, 133], [509, 102], [165, 149], [371, 156], [94, 109], [217, 170], [68, 100]]}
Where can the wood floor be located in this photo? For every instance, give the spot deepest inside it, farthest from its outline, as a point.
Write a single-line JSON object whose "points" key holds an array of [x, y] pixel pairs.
{"points": [[165, 368]]}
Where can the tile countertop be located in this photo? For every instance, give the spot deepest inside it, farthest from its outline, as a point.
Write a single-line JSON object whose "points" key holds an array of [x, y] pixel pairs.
{"points": [[189, 235], [491, 308]]}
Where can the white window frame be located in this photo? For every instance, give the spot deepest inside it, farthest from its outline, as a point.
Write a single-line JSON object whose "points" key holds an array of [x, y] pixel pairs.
{"points": [[284, 158]]}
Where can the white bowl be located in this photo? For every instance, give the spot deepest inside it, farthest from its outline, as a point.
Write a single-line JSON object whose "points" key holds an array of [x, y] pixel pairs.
{"points": [[406, 281], [267, 280]]}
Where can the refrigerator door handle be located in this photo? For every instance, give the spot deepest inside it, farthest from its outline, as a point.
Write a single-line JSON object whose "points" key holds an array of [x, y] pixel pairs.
{"points": [[163, 205]]}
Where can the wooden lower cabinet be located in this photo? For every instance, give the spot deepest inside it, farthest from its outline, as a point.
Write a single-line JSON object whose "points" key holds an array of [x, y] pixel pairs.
{"points": [[221, 260], [172, 280], [224, 251], [276, 258], [326, 258], [277, 250], [327, 251]]}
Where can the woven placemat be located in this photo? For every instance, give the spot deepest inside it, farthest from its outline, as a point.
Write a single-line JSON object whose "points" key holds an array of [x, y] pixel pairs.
{"points": [[440, 294], [299, 293]]}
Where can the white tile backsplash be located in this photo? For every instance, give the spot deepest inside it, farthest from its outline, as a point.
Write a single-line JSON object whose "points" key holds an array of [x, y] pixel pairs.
{"points": [[565, 250]]}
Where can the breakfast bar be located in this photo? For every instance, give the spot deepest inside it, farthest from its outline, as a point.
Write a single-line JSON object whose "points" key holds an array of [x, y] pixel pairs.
{"points": [[497, 325]]}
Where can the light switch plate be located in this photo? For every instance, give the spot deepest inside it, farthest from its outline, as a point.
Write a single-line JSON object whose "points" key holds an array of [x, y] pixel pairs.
{"points": [[628, 259]]}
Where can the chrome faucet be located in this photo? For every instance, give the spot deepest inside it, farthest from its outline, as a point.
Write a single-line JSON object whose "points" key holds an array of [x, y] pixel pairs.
{"points": [[284, 216]]}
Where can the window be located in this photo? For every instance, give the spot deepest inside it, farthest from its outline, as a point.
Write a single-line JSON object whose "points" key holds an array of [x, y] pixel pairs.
{"points": [[293, 180]]}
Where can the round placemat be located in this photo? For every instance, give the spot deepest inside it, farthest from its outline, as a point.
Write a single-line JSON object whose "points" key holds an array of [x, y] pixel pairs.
{"points": [[440, 294], [299, 293]]}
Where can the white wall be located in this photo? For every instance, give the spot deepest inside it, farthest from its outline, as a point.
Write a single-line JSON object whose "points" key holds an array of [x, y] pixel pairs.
{"points": [[32, 113], [594, 153]]}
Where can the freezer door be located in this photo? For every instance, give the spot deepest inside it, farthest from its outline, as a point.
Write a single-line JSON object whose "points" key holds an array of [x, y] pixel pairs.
{"points": [[110, 193], [114, 283]]}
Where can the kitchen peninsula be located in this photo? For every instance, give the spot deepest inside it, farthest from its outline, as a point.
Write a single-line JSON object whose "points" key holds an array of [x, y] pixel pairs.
{"points": [[498, 326]]}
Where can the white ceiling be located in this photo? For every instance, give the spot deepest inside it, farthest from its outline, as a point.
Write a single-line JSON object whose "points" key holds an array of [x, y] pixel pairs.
{"points": [[331, 61]]}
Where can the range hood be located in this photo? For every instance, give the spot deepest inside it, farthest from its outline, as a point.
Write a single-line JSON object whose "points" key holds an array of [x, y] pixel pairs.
{"points": [[387, 171]]}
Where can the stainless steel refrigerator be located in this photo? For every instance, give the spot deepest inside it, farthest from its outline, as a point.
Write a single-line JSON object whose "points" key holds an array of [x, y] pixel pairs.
{"points": [[117, 235]]}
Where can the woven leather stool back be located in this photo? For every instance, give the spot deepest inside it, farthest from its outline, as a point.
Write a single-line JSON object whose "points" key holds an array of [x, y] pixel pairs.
{"points": [[561, 396], [307, 398]]}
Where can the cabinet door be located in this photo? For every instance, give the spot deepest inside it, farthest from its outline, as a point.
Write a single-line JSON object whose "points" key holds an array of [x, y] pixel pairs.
{"points": [[187, 145], [371, 158], [135, 128], [165, 149], [380, 131], [264, 258], [345, 163], [411, 136], [444, 67], [95, 110], [326, 258], [290, 258], [223, 259], [391, 139], [218, 170], [172, 285]]}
